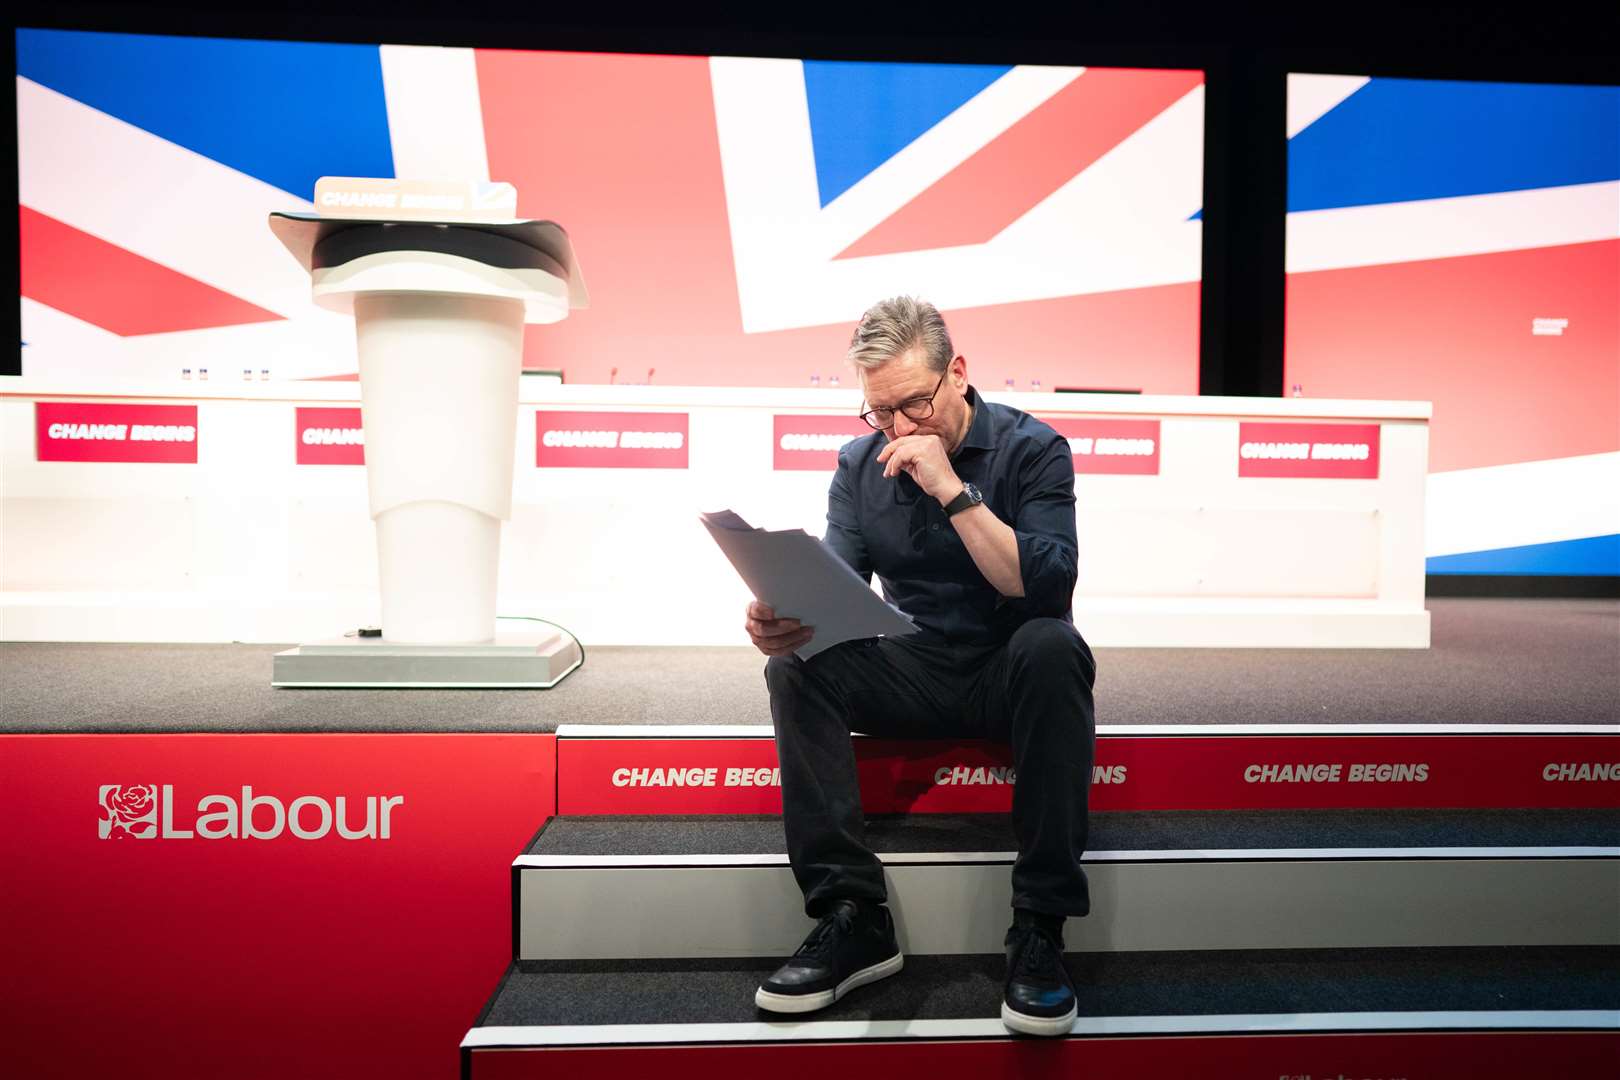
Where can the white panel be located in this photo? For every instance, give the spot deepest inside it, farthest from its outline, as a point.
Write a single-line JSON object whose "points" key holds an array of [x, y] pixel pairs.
{"points": [[1405, 453], [106, 543], [331, 543], [240, 539], [239, 504], [1179, 622], [1300, 553], [1230, 551], [1290, 903]]}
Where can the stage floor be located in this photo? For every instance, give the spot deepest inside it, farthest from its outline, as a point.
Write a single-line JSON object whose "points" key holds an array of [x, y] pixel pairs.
{"points": [[1493, 661]]}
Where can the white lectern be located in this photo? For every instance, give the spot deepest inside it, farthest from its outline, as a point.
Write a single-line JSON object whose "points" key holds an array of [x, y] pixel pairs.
{"points": [[440, 278]]}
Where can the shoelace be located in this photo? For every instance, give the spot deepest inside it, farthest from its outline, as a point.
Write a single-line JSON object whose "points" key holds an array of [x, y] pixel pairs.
{"points": [[839, 922], [1038, 955]]}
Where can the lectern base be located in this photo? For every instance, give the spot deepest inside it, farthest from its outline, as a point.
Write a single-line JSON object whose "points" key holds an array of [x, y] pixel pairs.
{"points": [[535, 659]]}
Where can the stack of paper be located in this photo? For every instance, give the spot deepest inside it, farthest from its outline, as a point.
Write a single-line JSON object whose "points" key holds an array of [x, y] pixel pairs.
{"points": [[801, 578]]}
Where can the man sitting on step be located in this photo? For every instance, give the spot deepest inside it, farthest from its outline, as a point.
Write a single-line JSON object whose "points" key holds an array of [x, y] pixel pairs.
{"points": [[965, 511]]}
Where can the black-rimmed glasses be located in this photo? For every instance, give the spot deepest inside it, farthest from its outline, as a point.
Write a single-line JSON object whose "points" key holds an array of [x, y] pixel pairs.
{"points": [[917, 408]]}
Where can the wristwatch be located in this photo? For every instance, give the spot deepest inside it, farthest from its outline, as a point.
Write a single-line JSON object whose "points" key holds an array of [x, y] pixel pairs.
{"points": [[970, 497]]}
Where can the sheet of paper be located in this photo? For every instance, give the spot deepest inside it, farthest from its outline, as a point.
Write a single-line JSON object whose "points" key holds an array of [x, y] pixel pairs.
{"points": [[802, 578]]}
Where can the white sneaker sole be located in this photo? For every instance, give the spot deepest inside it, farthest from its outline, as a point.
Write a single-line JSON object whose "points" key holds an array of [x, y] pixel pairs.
{"points": [[1038, 1025], [803, 1003]]}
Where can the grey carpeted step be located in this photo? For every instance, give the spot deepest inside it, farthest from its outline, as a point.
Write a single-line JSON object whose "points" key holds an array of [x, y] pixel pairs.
{"points": [[1120, 831], [1212, 984], [609, 887]]}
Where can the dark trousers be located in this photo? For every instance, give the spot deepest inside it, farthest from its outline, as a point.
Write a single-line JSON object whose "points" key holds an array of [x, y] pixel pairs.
{"points": [[1033, 692]]}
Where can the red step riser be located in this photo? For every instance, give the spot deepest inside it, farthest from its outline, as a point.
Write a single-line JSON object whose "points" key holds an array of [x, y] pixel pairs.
{"points": [[1510, 1055], [1179, 772]]}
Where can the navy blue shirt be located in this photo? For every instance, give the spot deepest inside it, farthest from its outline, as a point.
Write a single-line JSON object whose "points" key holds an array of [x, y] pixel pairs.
{"points": [[891, 528]]}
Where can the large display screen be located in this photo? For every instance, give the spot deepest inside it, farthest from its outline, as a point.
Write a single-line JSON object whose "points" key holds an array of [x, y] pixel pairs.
{"points": [[733, 216], [1459, 242]]}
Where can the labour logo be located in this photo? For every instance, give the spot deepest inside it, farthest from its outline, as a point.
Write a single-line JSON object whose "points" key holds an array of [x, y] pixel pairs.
{"points": [[128, 811]]}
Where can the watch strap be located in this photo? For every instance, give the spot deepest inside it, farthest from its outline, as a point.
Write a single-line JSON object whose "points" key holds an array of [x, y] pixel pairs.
{"points": [[968, 497]]}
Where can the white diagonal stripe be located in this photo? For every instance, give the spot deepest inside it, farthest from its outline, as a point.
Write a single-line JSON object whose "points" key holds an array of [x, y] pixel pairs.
{"points": [[435, 118], [767, 157], [1559, 499], [60, 344], [164, 202], [1349, 236], [1310, 97]]}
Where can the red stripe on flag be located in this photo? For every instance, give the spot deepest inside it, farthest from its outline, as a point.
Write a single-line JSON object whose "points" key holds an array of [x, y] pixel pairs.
{"points": [[624, 152], [103, 284], [1457, 332], [1056, 142]]}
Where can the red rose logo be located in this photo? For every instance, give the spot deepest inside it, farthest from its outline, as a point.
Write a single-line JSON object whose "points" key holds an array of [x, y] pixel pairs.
{"points": [[133, 802], [128, 810]]}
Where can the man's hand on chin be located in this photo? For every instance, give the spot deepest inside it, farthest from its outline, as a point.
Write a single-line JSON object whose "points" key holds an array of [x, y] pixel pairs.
{"points": [[923, 458]]}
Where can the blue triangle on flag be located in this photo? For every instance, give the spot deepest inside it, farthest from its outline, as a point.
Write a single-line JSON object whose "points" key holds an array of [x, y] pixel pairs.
{"points": [[862, 114], [1405, 140], [284, 112]]}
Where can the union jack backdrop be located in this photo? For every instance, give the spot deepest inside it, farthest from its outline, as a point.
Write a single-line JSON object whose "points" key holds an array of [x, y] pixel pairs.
{"points": [[1459, 242], [733, 216]]}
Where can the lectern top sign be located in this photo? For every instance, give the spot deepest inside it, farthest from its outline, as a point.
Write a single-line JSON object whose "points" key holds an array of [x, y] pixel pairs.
{"points": [[472, 201]]}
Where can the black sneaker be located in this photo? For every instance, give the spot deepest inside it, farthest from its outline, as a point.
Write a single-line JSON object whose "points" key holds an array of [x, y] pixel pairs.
{"points": [[851, 946], [1039, 998]]}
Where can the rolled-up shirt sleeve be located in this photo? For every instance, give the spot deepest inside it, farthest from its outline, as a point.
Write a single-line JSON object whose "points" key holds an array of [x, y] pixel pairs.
{"points": [[1044, 525], [843, 525]]}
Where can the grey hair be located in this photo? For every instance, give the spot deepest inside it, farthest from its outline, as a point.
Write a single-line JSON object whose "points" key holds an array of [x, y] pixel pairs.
{"points": [[890, 328]]}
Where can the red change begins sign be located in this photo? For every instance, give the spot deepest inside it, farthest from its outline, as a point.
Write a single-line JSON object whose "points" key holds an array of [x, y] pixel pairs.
{"points": [[1118, 447], [812, 442], [1321, 451], [611, 440], [92, 431], [329, 437]]}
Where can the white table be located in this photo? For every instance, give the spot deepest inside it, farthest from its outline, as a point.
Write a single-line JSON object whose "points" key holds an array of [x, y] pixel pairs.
{"points": [[248, 545]]}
